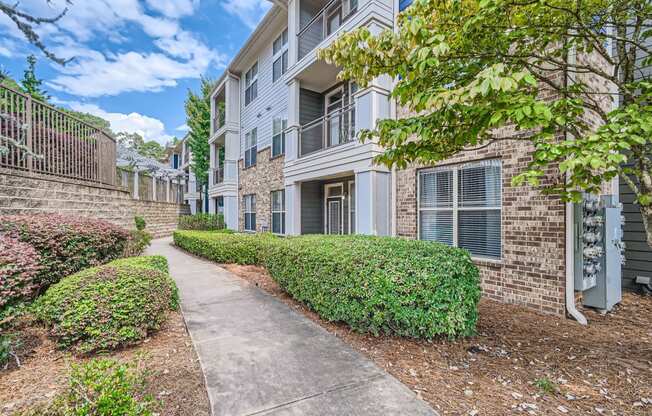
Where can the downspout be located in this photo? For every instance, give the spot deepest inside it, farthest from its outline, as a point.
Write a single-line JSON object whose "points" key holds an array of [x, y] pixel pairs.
{"points": [[570, 229]]}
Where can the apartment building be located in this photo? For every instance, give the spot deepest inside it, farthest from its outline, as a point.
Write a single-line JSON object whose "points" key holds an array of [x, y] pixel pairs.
{"points": [[179, 157], [285, 159]]}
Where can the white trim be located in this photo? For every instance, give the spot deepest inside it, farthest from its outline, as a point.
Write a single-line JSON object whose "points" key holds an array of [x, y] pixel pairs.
{"points": [[351, 215]]}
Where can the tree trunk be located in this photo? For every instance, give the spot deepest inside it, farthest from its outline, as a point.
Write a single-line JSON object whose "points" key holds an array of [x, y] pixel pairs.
{"points": [[646, 213]]}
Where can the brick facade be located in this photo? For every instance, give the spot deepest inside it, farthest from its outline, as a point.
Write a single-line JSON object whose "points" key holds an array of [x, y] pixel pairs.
{"points": [[263, 178], [28, 193]]}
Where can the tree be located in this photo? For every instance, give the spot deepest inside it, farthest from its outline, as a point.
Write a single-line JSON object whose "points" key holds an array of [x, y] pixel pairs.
{"points": [[31, 83], [134, 141], [466, 69], [25, 22], [130, 140], [152, 149], [198, 113]]}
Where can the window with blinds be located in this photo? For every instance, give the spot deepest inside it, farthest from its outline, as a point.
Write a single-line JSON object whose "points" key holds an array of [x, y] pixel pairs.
{"points": [[460, 206], [250, 212], [278, 212], [279, 124], [251, 148]]}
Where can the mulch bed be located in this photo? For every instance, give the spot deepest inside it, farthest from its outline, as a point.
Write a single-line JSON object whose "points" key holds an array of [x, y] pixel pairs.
{"points": [[520, 362], [175, 375]]}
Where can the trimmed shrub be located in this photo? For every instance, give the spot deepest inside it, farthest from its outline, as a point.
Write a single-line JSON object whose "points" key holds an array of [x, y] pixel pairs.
{"points": [[19, 269], [202, 222], [101, 387], [109, 306], [139, 239], [140, 223], [384, 285], [225, 247], [66, 244]]}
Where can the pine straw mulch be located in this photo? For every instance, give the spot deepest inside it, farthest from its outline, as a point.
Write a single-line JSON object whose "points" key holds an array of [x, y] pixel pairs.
{"points": [[175, 375], [520, 362]]}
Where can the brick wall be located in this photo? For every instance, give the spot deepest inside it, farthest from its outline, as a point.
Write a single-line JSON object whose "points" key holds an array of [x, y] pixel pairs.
{"points": [[27, 193], [263, 178]]}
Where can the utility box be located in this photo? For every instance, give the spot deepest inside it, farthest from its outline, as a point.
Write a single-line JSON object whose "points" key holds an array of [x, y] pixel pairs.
{"points": [[599, 251]]}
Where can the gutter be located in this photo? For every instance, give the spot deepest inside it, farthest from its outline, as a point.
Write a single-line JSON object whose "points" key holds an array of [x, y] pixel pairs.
{"points": [[570, 233]]}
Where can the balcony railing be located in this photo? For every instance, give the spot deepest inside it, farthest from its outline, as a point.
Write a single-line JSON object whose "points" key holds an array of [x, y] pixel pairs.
{"points": [[333, 129], [219, 119], [326, 21], [37, 137], [218, 175]]}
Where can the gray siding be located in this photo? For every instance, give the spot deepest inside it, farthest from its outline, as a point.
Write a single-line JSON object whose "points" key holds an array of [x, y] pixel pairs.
{"points": [[312, 213], [271, 102], [311, 107], [637, 252]]}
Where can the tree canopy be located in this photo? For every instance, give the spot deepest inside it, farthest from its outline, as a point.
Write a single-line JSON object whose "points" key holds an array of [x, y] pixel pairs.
{"points": [[467, 69], [149, 149], [198, 113]]}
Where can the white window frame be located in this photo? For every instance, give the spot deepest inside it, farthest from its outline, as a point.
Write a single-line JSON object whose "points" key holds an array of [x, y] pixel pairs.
{"points": [[251, 81], [283, 119], [455, 207], [282, 212], [249, 210], [281, 54], [252, 150]]}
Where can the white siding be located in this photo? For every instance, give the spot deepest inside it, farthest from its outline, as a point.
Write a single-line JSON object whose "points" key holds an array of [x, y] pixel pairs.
{"points": [[272, 100]]}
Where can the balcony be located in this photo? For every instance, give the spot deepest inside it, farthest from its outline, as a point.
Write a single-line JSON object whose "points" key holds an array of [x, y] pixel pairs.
{"points": [[323, 22], [218, 175], [220, 117], [331, 130]]}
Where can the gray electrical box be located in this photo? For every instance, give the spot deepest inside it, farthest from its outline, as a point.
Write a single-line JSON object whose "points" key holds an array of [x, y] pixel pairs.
{"points": [[599, 251]]}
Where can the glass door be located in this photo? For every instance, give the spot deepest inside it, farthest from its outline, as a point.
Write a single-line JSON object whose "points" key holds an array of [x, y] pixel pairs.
{"points": [[334, 201]]}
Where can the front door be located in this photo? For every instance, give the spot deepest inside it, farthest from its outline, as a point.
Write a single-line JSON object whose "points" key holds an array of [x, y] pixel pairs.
{"points": [[334, 217]]}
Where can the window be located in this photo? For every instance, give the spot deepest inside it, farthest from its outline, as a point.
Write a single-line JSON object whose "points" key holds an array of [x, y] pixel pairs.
{"points": [[461, 206], [278, 135], [219, 205], [403, 4], [250, 212], [280, 51], [278, 212], [251, 148], [251, 84]]}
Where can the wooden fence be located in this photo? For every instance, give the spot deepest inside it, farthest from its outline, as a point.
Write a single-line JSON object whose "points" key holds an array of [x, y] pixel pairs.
{"points": [[52, 142]]}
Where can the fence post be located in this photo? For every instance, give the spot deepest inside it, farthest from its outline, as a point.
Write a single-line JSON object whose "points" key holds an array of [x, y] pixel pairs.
{"points": [[136, 194], [167, 190], [29, 119]]}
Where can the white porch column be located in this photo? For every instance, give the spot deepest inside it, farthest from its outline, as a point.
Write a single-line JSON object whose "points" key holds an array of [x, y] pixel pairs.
{"points": [[212, 164], [212, 207], [231, 212], [167, 189], [293, 208], [373, 202], [293, 30], [154, 198], [292, 136], [136, 193]]}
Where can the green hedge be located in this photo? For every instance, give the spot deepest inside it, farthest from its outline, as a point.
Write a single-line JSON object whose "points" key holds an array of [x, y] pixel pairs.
{"points": [[202, 222], [374, 284], [225, 247], [109, 306]]}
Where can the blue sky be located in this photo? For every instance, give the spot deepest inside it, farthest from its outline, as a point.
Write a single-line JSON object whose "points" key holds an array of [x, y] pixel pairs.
{"points": [[134, 60]]}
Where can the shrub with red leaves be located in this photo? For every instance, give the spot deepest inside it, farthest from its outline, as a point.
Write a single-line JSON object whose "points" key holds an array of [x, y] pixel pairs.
{"points": [[66, 244], [19, 268]]}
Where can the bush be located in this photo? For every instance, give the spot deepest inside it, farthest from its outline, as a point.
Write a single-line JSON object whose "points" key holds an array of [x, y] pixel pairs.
{"points": [[109, 306], [202, 222], [101, 387], [385, 285], [225, 247], [140, 223], [19, 269], [66, 244]]}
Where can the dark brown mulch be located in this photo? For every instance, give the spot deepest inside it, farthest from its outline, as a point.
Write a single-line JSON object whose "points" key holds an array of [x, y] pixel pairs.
{"points": [[175, 375], [602, 369]]}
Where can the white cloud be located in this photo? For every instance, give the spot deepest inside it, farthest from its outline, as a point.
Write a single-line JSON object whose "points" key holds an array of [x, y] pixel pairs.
{"points": [[184, 128], [93, 74], [148, 127], [173, 8], [249, 11]]}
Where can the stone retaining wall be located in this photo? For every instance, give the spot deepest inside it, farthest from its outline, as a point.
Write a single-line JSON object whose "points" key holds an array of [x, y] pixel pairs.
{"points": [[28, 193]]}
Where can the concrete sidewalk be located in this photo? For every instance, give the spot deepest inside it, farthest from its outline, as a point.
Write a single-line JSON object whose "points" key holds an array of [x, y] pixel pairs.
{"points": [[260, 357]]}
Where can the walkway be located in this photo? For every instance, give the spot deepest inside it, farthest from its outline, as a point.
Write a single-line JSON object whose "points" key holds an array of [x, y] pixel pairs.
{"points": [[262, 358]]}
